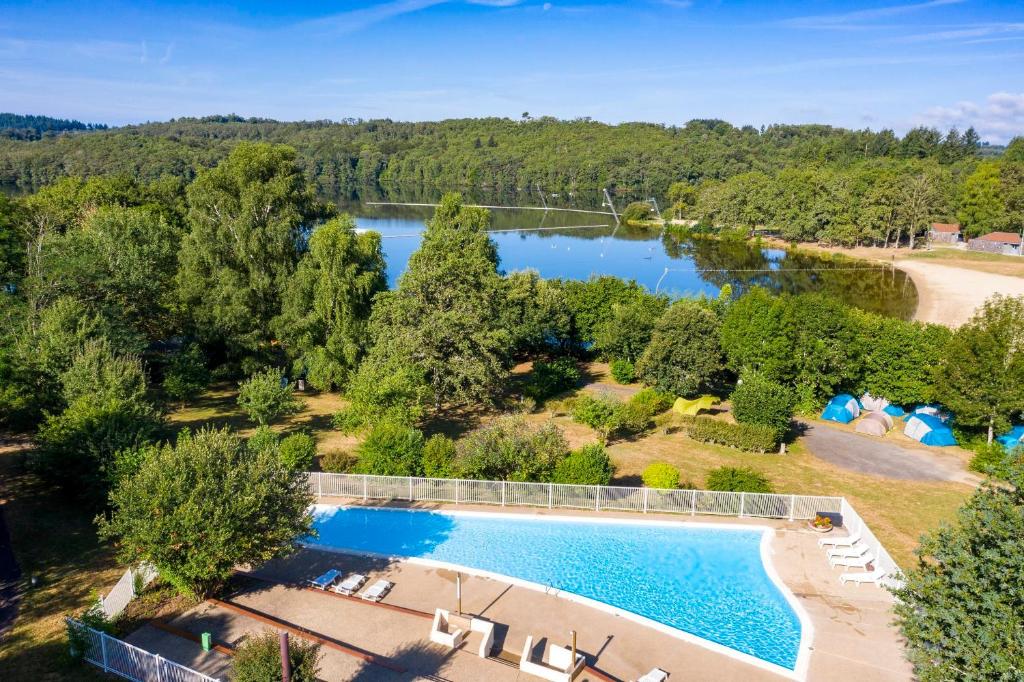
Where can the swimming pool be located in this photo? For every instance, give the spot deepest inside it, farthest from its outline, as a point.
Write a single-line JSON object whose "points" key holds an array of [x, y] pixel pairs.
{"points": [[708, 581]]}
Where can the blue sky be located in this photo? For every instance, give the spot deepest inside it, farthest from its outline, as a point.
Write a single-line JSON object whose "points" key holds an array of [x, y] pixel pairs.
{"points": [[857, 64]]}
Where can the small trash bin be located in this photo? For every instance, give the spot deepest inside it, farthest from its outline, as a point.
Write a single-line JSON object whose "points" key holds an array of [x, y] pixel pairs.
{"points": [[207, 641]]}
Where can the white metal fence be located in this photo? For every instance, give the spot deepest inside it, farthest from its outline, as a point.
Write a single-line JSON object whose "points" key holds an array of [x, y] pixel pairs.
{"points": [[561, 496], [130, 662], [126, 589], [854, 523]]}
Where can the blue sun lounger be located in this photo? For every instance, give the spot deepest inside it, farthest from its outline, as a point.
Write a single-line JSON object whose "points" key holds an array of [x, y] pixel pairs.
{"points": [[326, 580]]}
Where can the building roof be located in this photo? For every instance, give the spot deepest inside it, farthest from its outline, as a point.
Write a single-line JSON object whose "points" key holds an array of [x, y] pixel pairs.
{"points": [[1001, 237], [946, 227]]}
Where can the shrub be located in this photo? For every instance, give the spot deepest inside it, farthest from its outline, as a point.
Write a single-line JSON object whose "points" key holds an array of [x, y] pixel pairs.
{"points": [[637, 211], [652, 401], [439, 457], [266, 396], [298, 451], [262, 440], [661, 475], [510, 449], [337, 461], [683, 357], [993, 459], [623, 371], [748, 437], [551, 378], [759, 400], [597, 413], [258, 659], [589, 465], [186, 374], [391, 449], [738, 480]]}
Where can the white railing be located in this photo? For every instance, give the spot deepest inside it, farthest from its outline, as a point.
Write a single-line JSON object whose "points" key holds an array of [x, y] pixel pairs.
{"points": [[130, 662], [562, 496], [125, 589], [854, 523]]}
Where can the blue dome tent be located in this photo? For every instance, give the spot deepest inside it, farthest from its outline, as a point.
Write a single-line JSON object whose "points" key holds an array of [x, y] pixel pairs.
{"points": [[843, 409], [929, 430], [1012, 439], [894, 410]]}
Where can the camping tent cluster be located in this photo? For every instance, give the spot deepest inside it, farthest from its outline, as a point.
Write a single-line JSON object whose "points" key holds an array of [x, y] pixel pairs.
{"points": [[1013, 439], [927, 424]]}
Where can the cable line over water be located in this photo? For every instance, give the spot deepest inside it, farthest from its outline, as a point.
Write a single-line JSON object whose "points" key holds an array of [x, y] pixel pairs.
{"points": [[510, 208]]}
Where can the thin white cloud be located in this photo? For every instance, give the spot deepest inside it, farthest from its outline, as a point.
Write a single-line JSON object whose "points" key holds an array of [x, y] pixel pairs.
{"points": [[168, 53], [860, 18], [964, 33], [359, 19], [678, 4], [998, 119]]}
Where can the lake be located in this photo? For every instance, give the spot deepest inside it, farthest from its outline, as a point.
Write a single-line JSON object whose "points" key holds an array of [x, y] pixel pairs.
{"points": [[589, 244]]}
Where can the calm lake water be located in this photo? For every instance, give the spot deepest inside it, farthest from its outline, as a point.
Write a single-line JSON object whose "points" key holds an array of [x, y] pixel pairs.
{"points": [[591, 245]]}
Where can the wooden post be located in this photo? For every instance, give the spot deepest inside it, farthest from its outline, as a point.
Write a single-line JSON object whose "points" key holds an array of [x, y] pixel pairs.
{"points": [[286, 661]]}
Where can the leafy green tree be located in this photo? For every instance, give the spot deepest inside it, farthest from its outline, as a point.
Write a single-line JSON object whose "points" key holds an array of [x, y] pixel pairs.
{"points": [[661, 475], [298, 451], [326, 307], [384, 388], [391, 449], [1015, 150], [264, 439], [637, 212], [684, 355], [267, 395], [627, 331], [759, 400], [12, 243], [960, 607], [590, 465], [97, 372], [258, 659], [439, 457], [444, 318], [981, 373], [623, 371], [199, 508], [186, 375], [824, 348], [757, 334], [246, 217], [591, 302], [737, 480], [534, 313], [899, 358], [508, 449], [551, 378], [981, 207], [598, 413]]}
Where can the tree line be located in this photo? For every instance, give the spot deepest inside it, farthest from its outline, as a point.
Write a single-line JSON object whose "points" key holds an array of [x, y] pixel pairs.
{"points": [[19, 127]]}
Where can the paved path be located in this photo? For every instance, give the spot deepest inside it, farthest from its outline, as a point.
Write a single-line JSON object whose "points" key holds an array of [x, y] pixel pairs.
{"points": [[870, 455]]}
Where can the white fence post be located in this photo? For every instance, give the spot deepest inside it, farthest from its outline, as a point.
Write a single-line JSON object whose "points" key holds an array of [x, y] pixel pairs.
{"points": [[159, 668], [792, 507], [597, 499], [319, 485], [410, 488], [693, 503], [551, 494], [503, 484], [743, 502], [646, 491], [457, 482], [366, 484], [103, 649]]}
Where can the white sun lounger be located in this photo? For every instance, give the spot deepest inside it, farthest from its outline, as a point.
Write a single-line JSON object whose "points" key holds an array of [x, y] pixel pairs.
{"points": [[656, 675], [350, 584], [856, 550], [852, 561], [857, 578], [840, 542], [377, 591], [326, 580]]}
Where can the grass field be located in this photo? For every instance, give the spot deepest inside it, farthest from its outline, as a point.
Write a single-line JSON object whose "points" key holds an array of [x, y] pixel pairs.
{"points": [[972, 260]]}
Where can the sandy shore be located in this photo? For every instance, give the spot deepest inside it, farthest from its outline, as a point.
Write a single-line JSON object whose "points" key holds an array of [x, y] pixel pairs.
{"points": [[949, 295]]}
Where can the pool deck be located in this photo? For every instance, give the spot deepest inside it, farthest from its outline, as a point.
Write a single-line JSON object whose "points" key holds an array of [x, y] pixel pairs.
{"points": [[853, 635]]}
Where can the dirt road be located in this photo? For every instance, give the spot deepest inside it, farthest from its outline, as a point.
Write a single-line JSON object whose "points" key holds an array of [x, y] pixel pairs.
{"points": [[949, 295]]}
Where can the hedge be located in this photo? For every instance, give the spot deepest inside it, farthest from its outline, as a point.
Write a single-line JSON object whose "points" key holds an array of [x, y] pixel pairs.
{"points": [[749, 437]]}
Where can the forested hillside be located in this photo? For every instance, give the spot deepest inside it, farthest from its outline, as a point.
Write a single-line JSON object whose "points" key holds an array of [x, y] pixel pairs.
{"points": [[19, 127], [498, 153]]}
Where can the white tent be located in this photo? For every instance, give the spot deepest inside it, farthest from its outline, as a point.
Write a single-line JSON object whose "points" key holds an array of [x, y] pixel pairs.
{"points": [[873, 404]]}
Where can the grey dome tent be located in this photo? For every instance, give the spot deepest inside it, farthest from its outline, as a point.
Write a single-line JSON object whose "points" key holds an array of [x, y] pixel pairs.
{"points": [[875, 423]]}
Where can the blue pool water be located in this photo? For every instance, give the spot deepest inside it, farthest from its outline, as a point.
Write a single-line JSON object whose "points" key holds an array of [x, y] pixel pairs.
{"points": [[709, 582]]}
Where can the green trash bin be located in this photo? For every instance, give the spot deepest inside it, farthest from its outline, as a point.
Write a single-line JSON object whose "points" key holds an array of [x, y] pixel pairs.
{"points": [[207, 640]]}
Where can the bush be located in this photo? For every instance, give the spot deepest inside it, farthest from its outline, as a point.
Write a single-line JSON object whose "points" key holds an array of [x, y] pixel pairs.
{"points": [[737, 480], [589, 465], [258, 659], [551, 378], [266, 396], [439, 457], [759, 400], [186, 374], [661, 475], [298, 451], [597, 413], [391, 449], [337, 462], [652, 401], [993, 459], [510, 449], [262, 440], [748, 437], [637, 211], [623, 371], [683, 357]]}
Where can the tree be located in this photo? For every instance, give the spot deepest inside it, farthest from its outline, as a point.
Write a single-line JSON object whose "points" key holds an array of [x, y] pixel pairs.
{"points": [[591, 302], [508, 449], [923, 199], [759, 400], [534, 313], [391, 449], [960, 607], [444, 318], [246, 217], [298, 451], [899, 358], [627, 331], [757, 334], [326, 306], [683, 356], [267, 395], [186, 375], [981, 374], [981, 204], [637, 212], [439, 457], [12, 244], [197, 509], [824, 348], [258, 659], [590, 465]]}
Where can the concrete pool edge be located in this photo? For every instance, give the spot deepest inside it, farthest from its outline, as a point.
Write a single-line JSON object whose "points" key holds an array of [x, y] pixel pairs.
{"points": [[799, 672]]}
